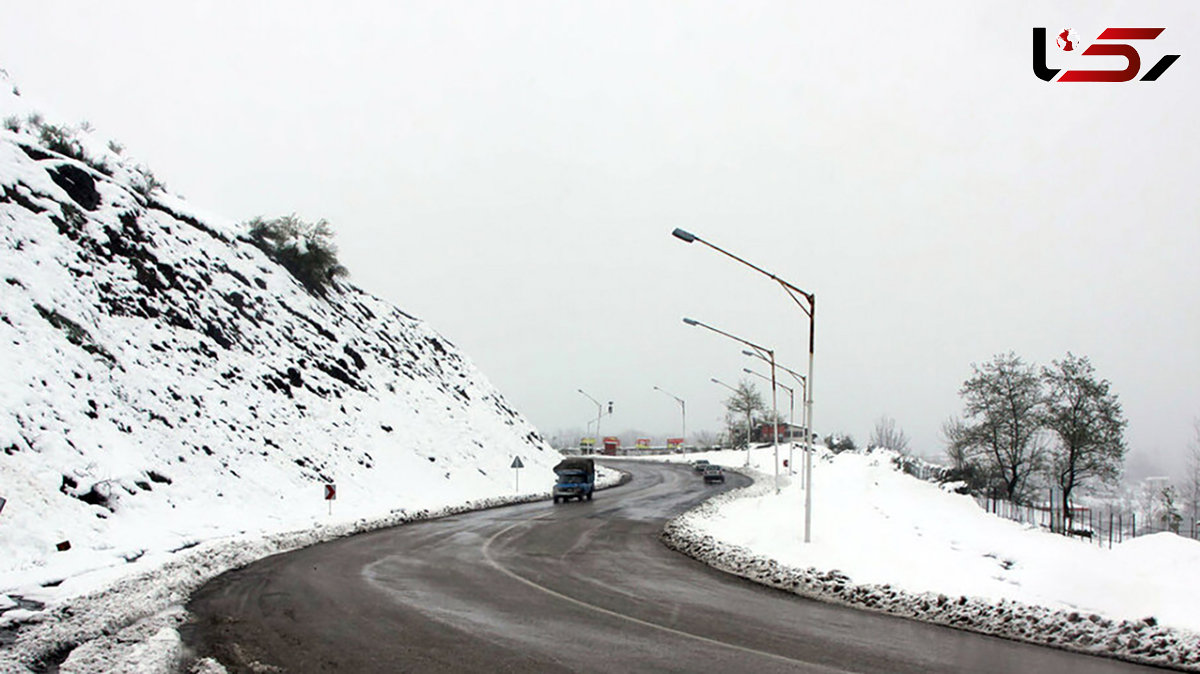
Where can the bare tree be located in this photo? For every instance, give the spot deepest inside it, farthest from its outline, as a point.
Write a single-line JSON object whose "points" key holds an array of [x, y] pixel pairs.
{"points": [[1192, 483], [1087, 426], [705, 439], [960, 450], [565, 438], [1003, 421], [741, 407], [887, 434]]}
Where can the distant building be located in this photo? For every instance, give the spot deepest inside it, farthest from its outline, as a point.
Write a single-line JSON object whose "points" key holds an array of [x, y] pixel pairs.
{"points": [[787, 432]]}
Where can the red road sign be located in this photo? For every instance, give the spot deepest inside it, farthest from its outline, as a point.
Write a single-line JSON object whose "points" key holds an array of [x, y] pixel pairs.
{"points": [[330, 492]]}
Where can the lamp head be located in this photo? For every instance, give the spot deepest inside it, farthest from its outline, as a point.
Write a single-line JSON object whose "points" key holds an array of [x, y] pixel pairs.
{"points": [[683, 235], [690, 321]]}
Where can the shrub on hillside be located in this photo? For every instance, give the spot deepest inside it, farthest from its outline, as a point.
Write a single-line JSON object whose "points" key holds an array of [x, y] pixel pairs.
{"points": [[839, 442], [304, 248], [144, 182], [62, 141]]}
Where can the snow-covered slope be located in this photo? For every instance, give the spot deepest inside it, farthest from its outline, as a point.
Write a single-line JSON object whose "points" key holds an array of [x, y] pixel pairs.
{"points": [[165, 382]]}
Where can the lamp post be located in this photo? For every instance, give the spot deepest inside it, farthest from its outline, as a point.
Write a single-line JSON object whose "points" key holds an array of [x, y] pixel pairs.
{"points": [[735, 392], [599, 413], [774, 407], [800, 379], [791, 410], [811, 310], [682, 413]]}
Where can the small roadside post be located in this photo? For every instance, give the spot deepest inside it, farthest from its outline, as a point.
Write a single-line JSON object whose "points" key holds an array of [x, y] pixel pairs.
{"points": [[330, 495], [517, 466]]}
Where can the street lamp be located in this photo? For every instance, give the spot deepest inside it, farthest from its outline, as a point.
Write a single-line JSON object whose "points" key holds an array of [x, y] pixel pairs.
{"points": [[804, 387], [811, 310], [682, 412], [599, 413], [735, 392], [774, 407], [791, 410]]}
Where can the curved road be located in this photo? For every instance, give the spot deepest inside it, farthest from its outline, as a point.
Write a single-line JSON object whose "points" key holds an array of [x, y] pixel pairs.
{"points": [[579, 587]]}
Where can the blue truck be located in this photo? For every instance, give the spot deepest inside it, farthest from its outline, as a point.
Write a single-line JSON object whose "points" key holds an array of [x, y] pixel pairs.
{"points": [[576, 479]]}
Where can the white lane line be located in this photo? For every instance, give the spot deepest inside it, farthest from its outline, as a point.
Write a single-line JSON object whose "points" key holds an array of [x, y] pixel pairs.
{"points": [[637, 621]]}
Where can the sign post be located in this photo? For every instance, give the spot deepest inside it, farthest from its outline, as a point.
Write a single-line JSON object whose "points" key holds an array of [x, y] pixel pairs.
{"points": [[517, 466], [330, 495]]}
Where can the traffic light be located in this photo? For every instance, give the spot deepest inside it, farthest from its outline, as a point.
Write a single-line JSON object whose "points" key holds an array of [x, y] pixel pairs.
{"points": [[610, 407]]}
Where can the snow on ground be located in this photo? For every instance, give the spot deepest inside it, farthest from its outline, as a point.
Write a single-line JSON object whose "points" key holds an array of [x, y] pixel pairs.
{"points": [[128, 622], [887, 541]]}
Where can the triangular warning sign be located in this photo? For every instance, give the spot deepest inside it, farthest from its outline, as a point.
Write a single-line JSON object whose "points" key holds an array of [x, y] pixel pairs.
{"points": [[517, 463]]}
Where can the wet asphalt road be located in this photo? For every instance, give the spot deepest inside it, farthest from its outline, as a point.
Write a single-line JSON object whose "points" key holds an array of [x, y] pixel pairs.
{"points": [[578, 587]]}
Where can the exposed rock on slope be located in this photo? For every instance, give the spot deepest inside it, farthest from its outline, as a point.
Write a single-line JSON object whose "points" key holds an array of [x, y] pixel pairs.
{"points": [[165, 381]]}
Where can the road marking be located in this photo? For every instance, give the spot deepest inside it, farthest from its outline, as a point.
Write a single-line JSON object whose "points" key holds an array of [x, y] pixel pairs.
{"points": [[637, 621]]}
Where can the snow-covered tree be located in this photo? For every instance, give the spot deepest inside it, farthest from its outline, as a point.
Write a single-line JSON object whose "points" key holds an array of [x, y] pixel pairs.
{"points": [[305, 249], [840, 442], [1166, 512]]}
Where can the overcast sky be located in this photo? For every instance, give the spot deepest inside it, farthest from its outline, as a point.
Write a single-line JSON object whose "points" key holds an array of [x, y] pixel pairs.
{"points": [[512, 171]]}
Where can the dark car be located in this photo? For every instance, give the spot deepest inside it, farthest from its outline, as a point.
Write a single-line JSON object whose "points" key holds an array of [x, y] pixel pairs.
{"points": [[699, 464], [713, 473]]}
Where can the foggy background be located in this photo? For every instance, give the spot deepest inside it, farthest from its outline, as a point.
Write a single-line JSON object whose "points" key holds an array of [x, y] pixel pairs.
{"points": [[511, 172]]}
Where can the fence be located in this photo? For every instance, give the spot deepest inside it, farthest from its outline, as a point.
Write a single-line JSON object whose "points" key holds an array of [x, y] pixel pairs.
{"points": [[1102, 526]]}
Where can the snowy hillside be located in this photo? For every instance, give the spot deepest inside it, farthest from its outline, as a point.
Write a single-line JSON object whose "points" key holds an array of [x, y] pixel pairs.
{"points": [[165, 382]]}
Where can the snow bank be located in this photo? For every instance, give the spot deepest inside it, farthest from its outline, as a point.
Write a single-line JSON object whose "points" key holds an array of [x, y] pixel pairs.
{"points": [[885, 541], [131, 623]]}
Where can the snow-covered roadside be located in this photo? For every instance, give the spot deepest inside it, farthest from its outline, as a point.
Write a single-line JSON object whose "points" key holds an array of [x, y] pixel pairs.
{"points": [[757, 553], [131, 624]]}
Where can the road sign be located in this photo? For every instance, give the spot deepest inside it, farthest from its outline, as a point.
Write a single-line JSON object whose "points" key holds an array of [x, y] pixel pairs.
{"points": [[517, 466], [2, 502], [330, 492]]}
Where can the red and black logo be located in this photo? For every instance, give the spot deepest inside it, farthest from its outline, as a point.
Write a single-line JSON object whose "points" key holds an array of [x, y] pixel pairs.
{"points": [[1106, 45]]}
